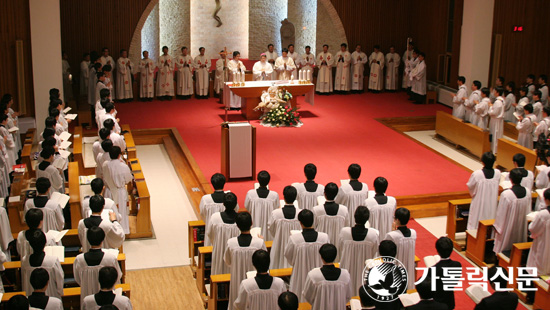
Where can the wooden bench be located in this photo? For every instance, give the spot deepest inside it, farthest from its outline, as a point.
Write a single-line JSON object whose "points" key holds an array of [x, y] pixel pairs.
{"points": [[78, 152], [542, 295], [506, 150], [74, 194], [477, 242], [468, 136], [519, 251], [140, 208], [15, 208], [510, 130], [455, 222], [26, 152], [129, 139], [194, 245]]}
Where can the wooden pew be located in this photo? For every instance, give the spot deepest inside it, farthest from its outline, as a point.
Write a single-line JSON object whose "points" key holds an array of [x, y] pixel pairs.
{"points": [[15, 209], [477, 242], [26, 152], [462, 134], [74, 194], [542, 295], [129, 139], [194, 245], [519, 250], [506, 150], [510, 130], [142, 205], [78, 152], [456, 223]]}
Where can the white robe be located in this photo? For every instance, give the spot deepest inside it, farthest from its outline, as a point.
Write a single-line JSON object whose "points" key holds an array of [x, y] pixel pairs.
{"points": [[202, 76], [418, 78], [92, 81], [53, 215], [303, 256], [124, 79], [307, 62], [239, 260], [407, 58], [484, 194], [381, 216], [405, 252], [67, 82], [252, 297], [459, 110], [355, 253], [392, 71], [260, 209], [3, 259], [102, 157], [262, 71], [185, 65], [114, 235], [542, 128], [52, 174], [13, 121], [525, 131], [233, 67], [24, 247], [107, 61], [272, 56], [219, 233], [308, 200], [10, 146], [165, 76], [537, 110], [282, 72], [531, 90], [352, 199], [358, 70], [87, 276], [509, 108], [331, 224], [470, 106], [523, 101], [53, 304], [324, 76], [119, 174], [481, 112], [84, 77], [121, 302], [544, 97], [511, 222], [279, 228], [109, 205], [324, 294], [5, 233], [222, 74], [541, 182], [342, 78], [147, 78], [207, 207], [52, 266], [496, 124], [296, 58], [376, 77], [540, 250]]}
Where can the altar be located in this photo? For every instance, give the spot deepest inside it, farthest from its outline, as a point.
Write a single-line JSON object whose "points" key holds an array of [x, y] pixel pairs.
{"points": [[252, 91]]}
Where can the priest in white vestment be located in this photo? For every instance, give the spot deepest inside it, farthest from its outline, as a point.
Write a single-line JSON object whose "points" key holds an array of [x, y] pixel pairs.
{"points": [[38, 299], [235, 65], [220, 229], [284, 65], [165, 76], [331, 217], [470, 102], [262, 291], [324, 61], [309, 191], [124, 77], [496, 122], [281, 223], [328, 287], [84, 74], [343, 60], [353, 193], [53, 212], [307, 62], [357, 244], [511, 222], [260, 202], [407, 59], [405, 239], [185, 66], [147, 77], [393, 60], [483, 186], [262, 69], [271, 55], [302, 252], [202, 74], [295, 57], [525, 127], [418, 78], [222, 73], [459, 110], [376, 63], [106, 59], [540, 233], [118, 174], [238, 253], [108, 277], [114, 233], [6, 236], [381, 208]]}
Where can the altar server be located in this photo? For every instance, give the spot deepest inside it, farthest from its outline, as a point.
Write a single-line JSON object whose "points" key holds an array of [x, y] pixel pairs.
{"points": [[381, 207], [288, 301], [527, 176], [271, 55], [47, 170], [6, 236], [540, 233], [543, 89], [106, 59], [418, 79], [98, 187], [309, 191], [499, 82], [117, 174], [8, 140], [238, 253], [331, 217], [38, 299], [357, 244], [202, 76], [542, 126], [405, 239], [352, 194], [262, 291], [392, 69], [165, 76], [262, 69], [376, 64], [212, 203], [116, 138], [53, 212], [281, 222], [100, 84], [525, 127], [509, 101], [108, 277], [261, 202], [284, 66], [110, 113], [92, 82], [222, 73], [114, 234], [483, 186], [102, 157], [84, 74], [496, 114], [34, 219], [523, 101], [302, 252], [328, 287], [481, 109], [39, 259], [343, 60], [407, 59], [513, 206], [147, 78], [324, 61], [109, 79], [235, 67], [459, 110], [221, 228], [124, 77], [530, 86], [87, 265], [537, 105], [307, 61], [295, 57], [185, 65]]}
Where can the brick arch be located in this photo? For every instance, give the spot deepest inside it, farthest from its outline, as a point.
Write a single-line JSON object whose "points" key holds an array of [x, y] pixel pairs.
{"points": [[135, 43], [340, 31]]}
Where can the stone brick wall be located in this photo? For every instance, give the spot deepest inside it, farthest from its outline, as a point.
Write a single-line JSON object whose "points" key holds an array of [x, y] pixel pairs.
{"points": [[329, 27], [150, 35], [174, 24], [265, 25], [303, 14]]}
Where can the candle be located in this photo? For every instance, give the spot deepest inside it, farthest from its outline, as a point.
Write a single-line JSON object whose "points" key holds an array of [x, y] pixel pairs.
{"points": [[309, 76], [301, 75], [236, 77], [291, 77], [242, 77]]}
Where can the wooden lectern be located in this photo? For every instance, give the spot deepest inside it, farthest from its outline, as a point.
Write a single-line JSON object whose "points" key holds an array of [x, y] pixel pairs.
{"points": [[238, 158]]}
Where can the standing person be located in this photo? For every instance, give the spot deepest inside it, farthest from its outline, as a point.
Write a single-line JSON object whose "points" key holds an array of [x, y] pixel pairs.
{"points": [[213, 203], [537, 105], [405, 239], [381, 207], [84, 74], [410, 67], [325, 61], [124, 78], [376, 63], [107, 278], [523, 101], [222, 74], [469, 103], [540, 233], [444, 247], [295, 57], [331, 217], [525, 127], [185, 65], [342, 79], [459, 98], [309, 191], [418, 77], [261, 202], [509, 101], [481, 108], [407, 59], [235, 65], [117, 174], [284, 66], [542, 126], [38, 299], [358, 61], [109, 80], [147, 78], [271, 55], [92, 82], [543, 89], [202, 76], [67, 78], [220, 229], [496, 114], [307, 61], [105, 60], [262, 69], [165, 76], [499, 82], [392, 69], [483, 186], [352, 194], [530, 86]]}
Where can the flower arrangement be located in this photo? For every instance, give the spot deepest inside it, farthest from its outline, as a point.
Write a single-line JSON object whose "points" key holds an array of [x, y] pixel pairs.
{"points": [[284, 95], [282, 116]]}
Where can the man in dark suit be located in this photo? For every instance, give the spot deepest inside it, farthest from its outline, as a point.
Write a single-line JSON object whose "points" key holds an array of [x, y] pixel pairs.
{"points": [[499, 300], [424, 289], [444, 247]]}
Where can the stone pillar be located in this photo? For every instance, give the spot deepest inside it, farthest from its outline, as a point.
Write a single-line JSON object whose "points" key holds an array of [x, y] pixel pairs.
{"points": [[175, 24], [303, 14], [150, 38], [265, 25]]}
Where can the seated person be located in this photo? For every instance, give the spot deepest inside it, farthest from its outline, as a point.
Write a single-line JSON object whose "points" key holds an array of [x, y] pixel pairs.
{"points": [[288, 301], [367, 302], [108, 276], [33, 218], [405, 239], [52, 211], [309, 191], [354, 193], [500, 299], [426, 298], [261, 202], [38, 299], [443, 294], [114, 234]]}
